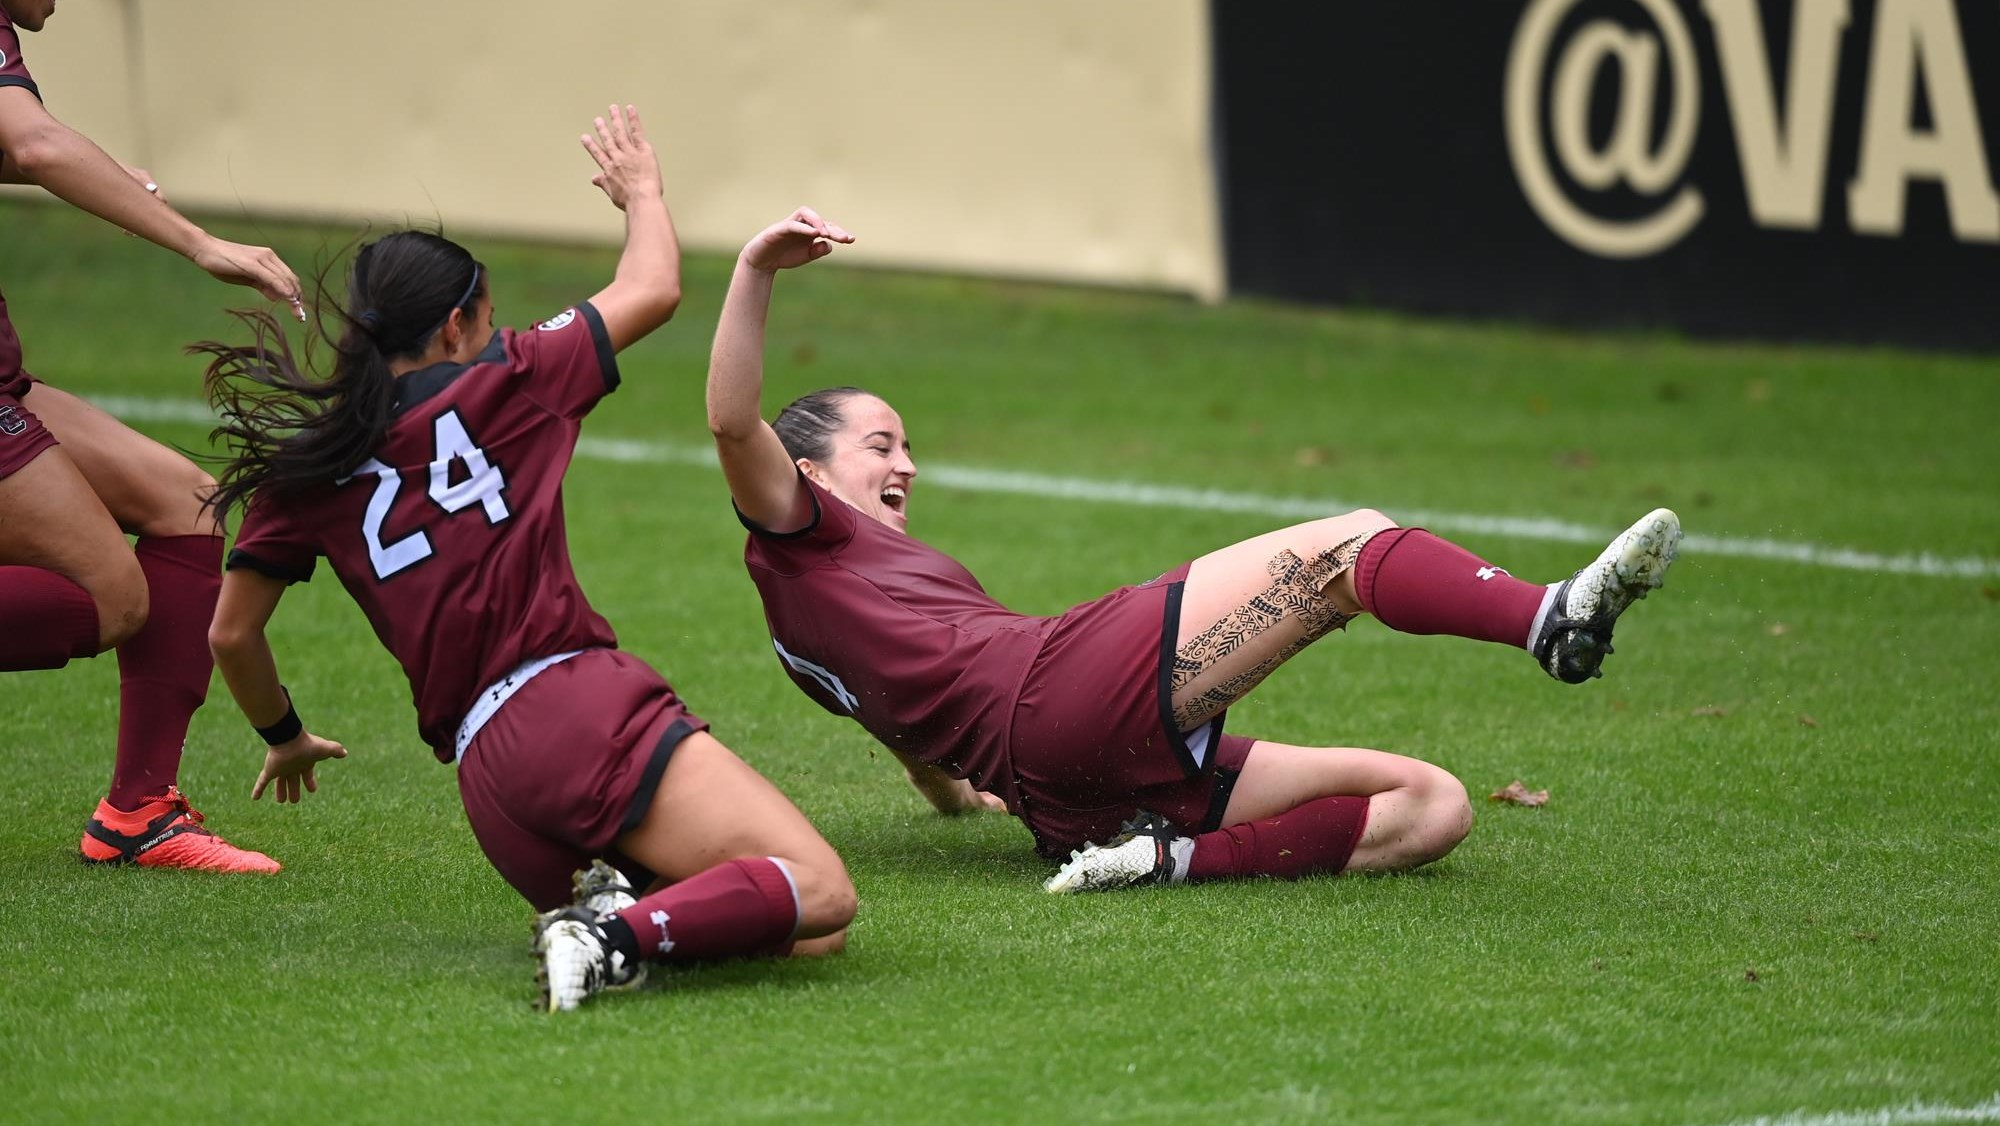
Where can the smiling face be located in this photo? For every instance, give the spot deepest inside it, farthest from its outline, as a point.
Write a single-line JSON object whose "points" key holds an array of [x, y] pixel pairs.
{"points": [[868, 464]]}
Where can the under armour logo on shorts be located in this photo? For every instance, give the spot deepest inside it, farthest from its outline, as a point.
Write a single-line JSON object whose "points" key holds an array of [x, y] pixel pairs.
{"points": [[1486, 573]]}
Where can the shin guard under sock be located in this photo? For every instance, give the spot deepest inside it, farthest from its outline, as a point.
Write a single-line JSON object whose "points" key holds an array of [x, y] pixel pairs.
{"points": [[1414, 582], [1317, 837], [163, 669], [45, 620], [742, 907]]}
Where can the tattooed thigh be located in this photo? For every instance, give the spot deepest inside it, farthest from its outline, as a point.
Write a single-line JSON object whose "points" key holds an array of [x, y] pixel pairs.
{"points": [[1215, 668]]}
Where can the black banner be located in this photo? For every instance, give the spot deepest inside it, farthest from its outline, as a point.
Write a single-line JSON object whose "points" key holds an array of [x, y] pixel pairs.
{"points": [[1819, 169]]}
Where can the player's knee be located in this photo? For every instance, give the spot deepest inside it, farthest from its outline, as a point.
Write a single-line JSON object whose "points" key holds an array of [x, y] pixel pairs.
{"points": [[1446, 815], [826, 896], [119, 591], [172, 503], [1367, 518]]}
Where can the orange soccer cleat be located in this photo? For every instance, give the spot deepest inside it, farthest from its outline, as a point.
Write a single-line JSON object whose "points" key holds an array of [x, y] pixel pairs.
{"points": [[165, 832]]}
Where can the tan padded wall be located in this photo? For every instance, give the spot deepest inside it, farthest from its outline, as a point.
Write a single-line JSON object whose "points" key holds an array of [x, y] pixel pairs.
{"points": [[1040, 138]]}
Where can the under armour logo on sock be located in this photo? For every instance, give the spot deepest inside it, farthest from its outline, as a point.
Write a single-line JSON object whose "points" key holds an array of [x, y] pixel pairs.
{"points": [[1486, 573], [660, 920]]}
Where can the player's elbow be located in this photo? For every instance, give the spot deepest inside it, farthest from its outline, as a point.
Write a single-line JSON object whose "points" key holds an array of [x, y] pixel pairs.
{"points": [[724, 427], [37, 149], [667, 301]]}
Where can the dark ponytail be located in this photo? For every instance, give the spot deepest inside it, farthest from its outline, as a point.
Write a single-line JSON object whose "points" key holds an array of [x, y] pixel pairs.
{"points": [[807, 424], [286, 429]]}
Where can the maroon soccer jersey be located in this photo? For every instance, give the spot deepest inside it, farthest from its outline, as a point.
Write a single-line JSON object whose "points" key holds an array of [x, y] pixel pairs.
{"points": [[13, 69], [13, 72], [876, 625], [451, 536]]}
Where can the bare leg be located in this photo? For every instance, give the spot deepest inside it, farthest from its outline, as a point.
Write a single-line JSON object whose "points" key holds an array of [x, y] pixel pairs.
{"points": [[712, 808], [1249, 607], [164, 668], [1417, 812], [51, 520], [149, 489]]}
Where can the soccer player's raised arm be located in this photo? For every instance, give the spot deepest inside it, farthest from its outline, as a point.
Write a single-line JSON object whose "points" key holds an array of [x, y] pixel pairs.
{"points": [[646, 290], [65, 163], [762, 477], [243, 653]]}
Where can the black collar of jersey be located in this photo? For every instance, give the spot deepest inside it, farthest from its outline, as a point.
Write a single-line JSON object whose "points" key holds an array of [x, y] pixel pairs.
{"points": [[413, 389]]}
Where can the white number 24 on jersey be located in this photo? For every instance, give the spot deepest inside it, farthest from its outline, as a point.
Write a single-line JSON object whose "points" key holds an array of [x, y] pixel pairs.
{"points": [[483, 486]]}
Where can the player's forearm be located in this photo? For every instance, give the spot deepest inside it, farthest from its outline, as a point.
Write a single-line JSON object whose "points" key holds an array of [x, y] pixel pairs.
{"points": [[251, 671], [651, 261], [69, 166], [736, 362], [946, 794]]}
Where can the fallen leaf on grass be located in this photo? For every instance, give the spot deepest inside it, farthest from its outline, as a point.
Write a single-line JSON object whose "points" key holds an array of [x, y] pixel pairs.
{"points": [[1808, 720], [1865, 936], [1576, 459], [1777, 629], [1991, 592], [1751, 975], [1518, 794], [1711, 710], [1307, 457]]}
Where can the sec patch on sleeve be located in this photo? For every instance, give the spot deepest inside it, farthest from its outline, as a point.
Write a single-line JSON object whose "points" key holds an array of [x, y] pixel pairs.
{"points": [[559, 321]]}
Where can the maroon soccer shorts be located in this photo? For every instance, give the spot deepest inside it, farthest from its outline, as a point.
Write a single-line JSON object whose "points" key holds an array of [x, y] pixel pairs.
{"points": [[22, 435], [1094, 738], [567, 765]]}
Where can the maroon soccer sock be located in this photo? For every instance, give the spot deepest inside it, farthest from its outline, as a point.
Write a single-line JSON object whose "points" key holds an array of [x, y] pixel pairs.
{"points": [[1414, 582], [1316, 837], [742, 907], [45, 620], [163, 669]]}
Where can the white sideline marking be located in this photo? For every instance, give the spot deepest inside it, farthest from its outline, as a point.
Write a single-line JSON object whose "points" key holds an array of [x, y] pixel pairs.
{"points": [[1909, 1114], [971, 479]]}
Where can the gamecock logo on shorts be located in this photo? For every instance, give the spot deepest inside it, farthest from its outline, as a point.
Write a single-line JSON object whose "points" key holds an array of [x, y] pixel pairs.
{"points": [[11, 421]]}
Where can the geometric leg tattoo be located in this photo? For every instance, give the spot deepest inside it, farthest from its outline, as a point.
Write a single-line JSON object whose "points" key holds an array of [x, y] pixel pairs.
{"points": [[1226, 660]]}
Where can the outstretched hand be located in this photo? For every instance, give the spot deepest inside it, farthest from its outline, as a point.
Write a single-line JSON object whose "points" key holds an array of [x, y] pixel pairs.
{"points": [[289, 764], [627, 167], [258, 267], [793, 242]]}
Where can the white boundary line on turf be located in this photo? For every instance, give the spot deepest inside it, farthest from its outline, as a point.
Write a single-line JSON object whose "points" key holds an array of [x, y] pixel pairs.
{"points": [[1909, 1114], [972, 479]]}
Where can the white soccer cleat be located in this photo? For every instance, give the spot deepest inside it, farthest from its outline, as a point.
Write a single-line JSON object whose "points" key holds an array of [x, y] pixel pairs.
{"points": [[1574, 635], [573, 959], [602, 890], [1147, 850]]}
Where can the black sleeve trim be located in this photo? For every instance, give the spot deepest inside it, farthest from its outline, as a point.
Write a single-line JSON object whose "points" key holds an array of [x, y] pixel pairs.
{"points": [[246, 561], [607, 356], [26, 83], [760, 530]]}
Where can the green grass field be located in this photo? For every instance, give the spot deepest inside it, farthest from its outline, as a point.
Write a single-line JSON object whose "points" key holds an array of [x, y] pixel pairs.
{"points": [[1766, 881]]}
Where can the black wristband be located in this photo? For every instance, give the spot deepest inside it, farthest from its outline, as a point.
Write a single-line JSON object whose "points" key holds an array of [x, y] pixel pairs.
{"points": [[286, 729]]}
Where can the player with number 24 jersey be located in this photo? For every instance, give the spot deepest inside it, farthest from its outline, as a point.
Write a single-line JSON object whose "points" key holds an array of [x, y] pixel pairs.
{"points": [[461, 505]]}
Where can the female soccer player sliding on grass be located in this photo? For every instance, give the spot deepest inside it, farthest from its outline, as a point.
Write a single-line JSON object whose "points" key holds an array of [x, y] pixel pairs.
{"points": [[69, 584], [1105, 723], [428, 470]]}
